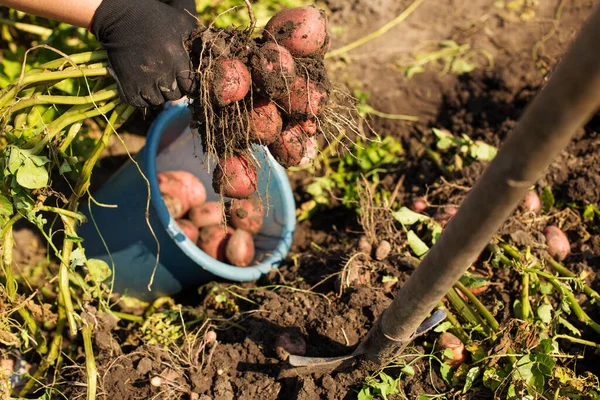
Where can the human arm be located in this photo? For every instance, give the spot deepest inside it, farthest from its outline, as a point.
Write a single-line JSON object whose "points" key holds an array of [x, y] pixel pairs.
{"points": [[144, 40], [74, 12]]}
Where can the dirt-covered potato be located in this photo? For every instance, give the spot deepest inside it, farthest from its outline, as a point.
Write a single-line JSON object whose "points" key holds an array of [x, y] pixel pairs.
{"points": [[302, 30]]}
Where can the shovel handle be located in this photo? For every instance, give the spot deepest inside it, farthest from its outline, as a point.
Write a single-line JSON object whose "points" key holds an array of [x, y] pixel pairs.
{"points": [[569, 100]]}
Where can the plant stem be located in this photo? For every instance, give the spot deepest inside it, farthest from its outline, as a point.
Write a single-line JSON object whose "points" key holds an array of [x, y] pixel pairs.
{"points": [[11, 291], [128, 317], [577, 340], [483, 311], [570, 297], [525, 305], [44, 77], [54, 352], [437, 160], [122, 112], [501, 257], [563, 271], [72, 214], [106, 94], [373, 35], [71, 134], [510, 250], [458, 329], [90, 362], [66, 120], [464, 309], [79, 58], [401, 117], [29, 28], [63, 272]]}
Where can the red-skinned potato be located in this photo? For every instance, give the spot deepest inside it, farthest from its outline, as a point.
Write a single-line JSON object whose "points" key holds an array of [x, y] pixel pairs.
{"points": [[302, 30], [289, 149], [310, 151], [418, 205], [265, 122], [210, 213], [304, 99], [247, 214], [213, 240], [183, 185], [235, 177], [532, 202], [174, 206], [308, 126], [273, 69], [444, 215], [286, 344], [449, 341], [231, 81], [558, 243], [239, 250], [189, 230]]}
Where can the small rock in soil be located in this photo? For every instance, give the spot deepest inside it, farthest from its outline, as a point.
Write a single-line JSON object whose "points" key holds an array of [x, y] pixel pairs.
{"points": [[364, 246], [383, 250]]}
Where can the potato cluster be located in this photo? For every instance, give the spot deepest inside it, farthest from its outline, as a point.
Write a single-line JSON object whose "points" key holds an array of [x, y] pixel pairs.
{"points": [[223, 231], [269, 91]]}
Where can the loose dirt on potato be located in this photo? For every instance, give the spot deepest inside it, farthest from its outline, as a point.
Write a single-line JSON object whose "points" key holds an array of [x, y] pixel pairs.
{"points": [[305, 298]]}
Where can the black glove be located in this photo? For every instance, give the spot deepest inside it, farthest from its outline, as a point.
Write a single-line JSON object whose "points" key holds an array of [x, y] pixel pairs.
{"points": [[144, 40]]}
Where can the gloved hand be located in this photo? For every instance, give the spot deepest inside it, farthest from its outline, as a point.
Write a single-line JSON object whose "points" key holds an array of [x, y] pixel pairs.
{"points": [[144, 40]]}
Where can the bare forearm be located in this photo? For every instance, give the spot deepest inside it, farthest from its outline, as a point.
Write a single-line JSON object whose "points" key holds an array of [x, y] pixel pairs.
{"points": [[75, 12]]}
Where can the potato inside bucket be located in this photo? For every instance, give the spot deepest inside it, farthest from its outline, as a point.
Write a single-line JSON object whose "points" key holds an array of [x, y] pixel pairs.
{"points": [[183, 152]]}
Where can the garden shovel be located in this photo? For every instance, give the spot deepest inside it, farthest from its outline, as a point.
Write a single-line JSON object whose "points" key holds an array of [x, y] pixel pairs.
{"points": [[569, 100]]}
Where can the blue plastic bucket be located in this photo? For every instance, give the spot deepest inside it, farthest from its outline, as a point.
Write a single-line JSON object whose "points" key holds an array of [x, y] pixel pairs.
{"points": [[120, 235]]}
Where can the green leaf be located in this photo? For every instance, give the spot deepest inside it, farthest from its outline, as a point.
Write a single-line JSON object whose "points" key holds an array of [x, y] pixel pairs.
{"points": [[461, 66], [443, 327], [39, 160], [98, 269], [221, 298], [588, 212], [408, 217], [492, 378], [436, 230], [477, 351], [446, 372], [544, 313], [31, 176], [569, 326], [546, 288], [77, 258], [472, 281], [483, 151], [448, 354], [388, 278], [547, 199], [6, 207], [64, 168], [471, 376], [408, 370], [416, 244], [445, 139], [15, 160], [365, 394]]}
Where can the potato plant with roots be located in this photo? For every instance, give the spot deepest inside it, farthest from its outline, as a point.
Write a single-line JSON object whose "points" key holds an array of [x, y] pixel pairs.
{"points": [[271, 91]]}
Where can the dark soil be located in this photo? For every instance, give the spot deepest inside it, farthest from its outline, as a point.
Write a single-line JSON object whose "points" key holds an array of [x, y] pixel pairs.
{"points": [[304, 297]]}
